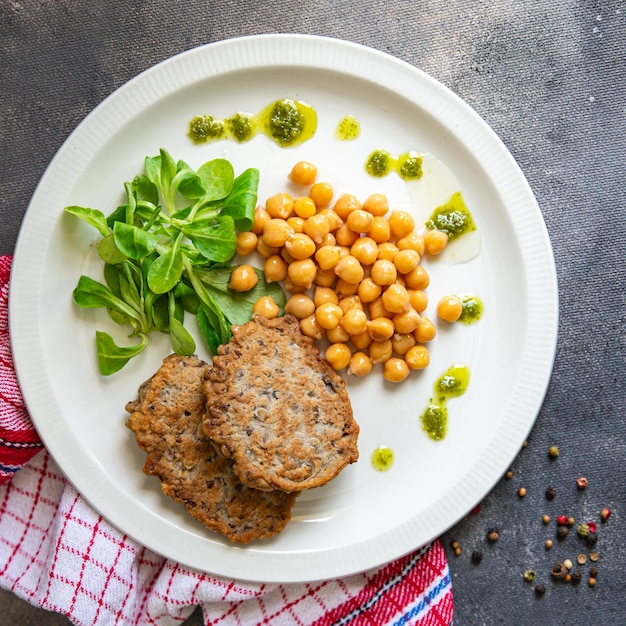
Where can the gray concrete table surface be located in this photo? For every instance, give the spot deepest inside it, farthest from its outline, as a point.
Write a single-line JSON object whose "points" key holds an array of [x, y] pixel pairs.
{"points": [[549, 78]]}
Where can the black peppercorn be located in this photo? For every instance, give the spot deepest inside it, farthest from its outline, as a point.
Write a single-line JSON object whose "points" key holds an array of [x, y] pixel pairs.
{"points": [[562, 532], [550, 493], [591, 539], [477, 557], [576, 576], [540, 589], [593, 572]]}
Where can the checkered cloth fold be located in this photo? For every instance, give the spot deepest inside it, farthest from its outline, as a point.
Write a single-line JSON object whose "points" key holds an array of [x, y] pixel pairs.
{"points": [[59, 554]]}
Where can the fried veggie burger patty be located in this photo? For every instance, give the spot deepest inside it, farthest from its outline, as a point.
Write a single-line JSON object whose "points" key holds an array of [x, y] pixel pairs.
{"points": [[166, 419], [278, 409]]}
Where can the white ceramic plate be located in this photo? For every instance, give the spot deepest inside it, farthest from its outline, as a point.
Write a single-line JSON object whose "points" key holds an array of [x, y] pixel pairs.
{"points": [[363, 518]]}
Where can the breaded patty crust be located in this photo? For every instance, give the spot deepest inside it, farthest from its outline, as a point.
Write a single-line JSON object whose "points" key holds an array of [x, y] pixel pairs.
{"points": [[278, 409], [166, 419]]}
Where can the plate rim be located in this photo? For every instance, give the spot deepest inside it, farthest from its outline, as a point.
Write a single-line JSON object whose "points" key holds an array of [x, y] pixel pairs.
{"points": [[306, 47]]}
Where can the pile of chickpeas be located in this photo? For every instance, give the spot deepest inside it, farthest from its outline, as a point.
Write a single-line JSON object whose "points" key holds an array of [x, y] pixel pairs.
{"points": [[352, 272]]}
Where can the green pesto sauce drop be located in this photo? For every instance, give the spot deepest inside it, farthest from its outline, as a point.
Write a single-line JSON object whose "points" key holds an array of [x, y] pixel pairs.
{"points": [[382, 458], [348, 129], [287, 122], [451, 384], [453, 218], [472, 308], [408, 165]]}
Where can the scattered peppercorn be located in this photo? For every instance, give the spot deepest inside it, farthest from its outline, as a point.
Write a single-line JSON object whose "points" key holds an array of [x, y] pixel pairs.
{"points": [[548, 544], [568, 578], [562, 532], [592, 582], [558, 571], [477, 557], [553, 452], [605, 513], [509, 475], [581, 559], [593, 572], [550, 493], [458, 551], [583, 530], [545, 519], [592, 538], [577, 576], [454, 544], [593, 527], [568, 564], [521, 492], [540, 589], [582, 482], [594, 556], [570, 521], [493, 535], [561, 520], [529, 576]]}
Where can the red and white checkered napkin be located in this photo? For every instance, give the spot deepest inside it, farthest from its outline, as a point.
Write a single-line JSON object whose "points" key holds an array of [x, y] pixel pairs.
{"points": [[57, 553]]}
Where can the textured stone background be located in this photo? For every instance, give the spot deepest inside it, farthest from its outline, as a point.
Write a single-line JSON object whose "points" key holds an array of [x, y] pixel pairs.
{"points": [[549, 77]]}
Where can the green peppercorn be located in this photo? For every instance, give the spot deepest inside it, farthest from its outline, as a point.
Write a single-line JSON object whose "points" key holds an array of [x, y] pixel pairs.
{"points": [[529, 575], [553, 452], [583, 530]]}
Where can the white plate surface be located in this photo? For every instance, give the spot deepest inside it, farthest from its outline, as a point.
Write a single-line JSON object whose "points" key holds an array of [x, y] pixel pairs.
{"points": [[363, 518]]}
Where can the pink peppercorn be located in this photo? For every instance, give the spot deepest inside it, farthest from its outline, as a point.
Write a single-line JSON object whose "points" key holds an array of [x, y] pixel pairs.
{"points": [[592, 526], [582, 482], [561, 520], [605, 514]]}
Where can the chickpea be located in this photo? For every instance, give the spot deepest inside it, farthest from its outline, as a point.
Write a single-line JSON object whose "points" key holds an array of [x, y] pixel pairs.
{"points": [[296, 223], [304, 207], [406, 261], [303, 173], [286, 257], [417, 357], [395, 370], [354, 321], [380, 351], [302, 273], [321, 295], [300, 246], [275, 269], [328, 256], [379, 230], [425, 331], [321, 194], [361, 341], [325, 278], [246, 243], [276, 232], [334, 221], [243, 278], [344, 288], [435, 241], [327, 240], [345, 204], [349, 269], [413, 241], [280, 205], [338, 356], [401, 343], [450, 308], [365, 250], [260, 217], [380, 329], [328, 315], [396, 299], [406, 322], [377, 309], [360, 364], [337, 335], [401, 223], [419, 299], [368, 290], [291, 287], [350, 302], [387, 251], [376, 204], [264, 249], [317, 227], [266, 307], [359, 221], [345, 236], [417, 278], [300, 306], [384, 272], [311, 328]]}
